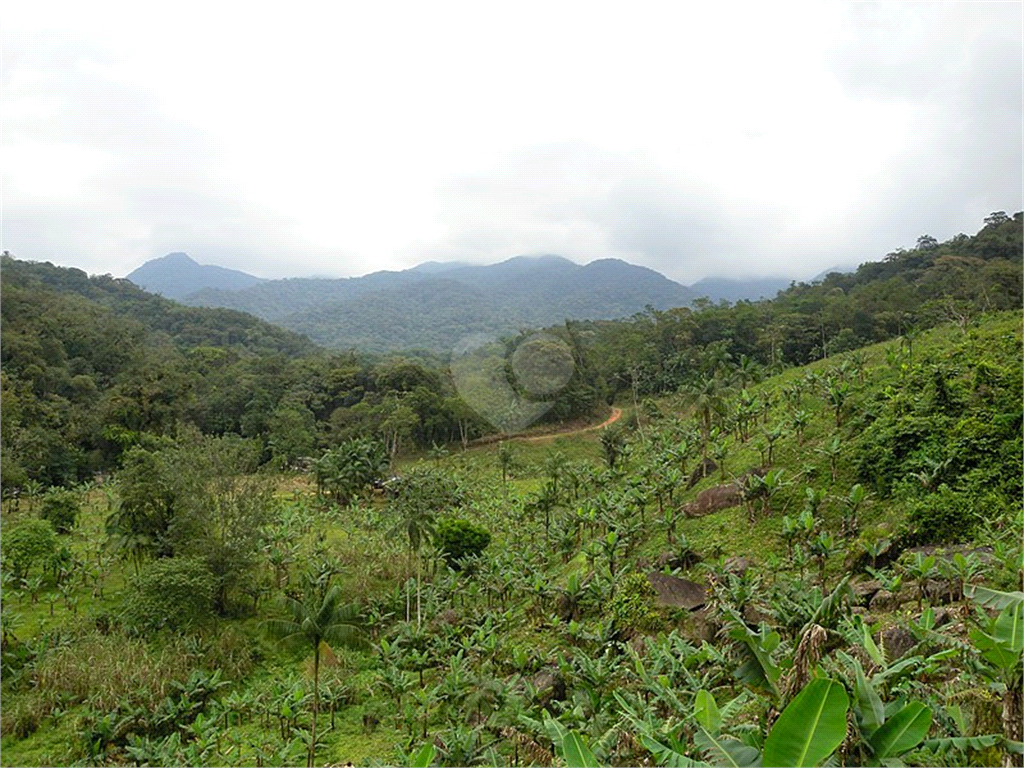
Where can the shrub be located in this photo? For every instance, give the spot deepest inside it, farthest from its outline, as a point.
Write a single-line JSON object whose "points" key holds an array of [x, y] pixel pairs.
{"points": [[60, 508], [29, 543], [633, 607], [943, 517], [174, 593], [459, 539]]}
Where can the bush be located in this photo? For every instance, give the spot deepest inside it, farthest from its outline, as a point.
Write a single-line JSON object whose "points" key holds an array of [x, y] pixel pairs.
{"points": [[459, 539], [427, 488], [943, 517], [29, 543], [60, 508], [633, 607], [174, 593]]}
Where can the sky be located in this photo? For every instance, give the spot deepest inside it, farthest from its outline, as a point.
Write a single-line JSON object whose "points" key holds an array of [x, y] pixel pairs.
{"points": [[336, 139]]}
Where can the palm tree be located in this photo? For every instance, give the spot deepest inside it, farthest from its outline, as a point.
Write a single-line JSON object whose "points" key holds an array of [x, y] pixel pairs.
{"points": [[320, 617], [708, 399], [417, 522]]}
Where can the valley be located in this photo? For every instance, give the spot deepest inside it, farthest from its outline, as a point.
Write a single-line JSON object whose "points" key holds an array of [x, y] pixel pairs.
{"points": [[779, 532]]}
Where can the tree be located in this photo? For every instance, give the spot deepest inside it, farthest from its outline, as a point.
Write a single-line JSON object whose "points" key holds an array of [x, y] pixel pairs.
{"points": [[221, 504], [506, 461], [138, 525], [60, 507], [318, 618], [29, 543], [175, 593], [613, 442], [292, 434], [708, 400], [346, 471], [419, 496]]}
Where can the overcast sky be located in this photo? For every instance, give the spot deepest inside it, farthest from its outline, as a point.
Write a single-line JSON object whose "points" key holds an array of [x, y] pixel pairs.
{"points": [[337, 139]]}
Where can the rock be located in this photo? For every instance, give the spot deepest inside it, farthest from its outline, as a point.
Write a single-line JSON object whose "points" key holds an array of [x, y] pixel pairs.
{"points": [[865, 590], [884, 601], [754, 616], [705, 469], [674, 592], [700, 626], [897, 642], [942, 617], [713, 499], [549, 686], [737, 565]]}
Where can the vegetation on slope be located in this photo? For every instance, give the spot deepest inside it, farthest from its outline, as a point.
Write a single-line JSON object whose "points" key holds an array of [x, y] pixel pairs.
{"points": [[551, 644]]}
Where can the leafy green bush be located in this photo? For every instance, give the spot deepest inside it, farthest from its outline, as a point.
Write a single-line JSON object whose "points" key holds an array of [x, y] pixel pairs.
{"points": [[60, 508], [459, 539], [29, 543], [174, 593], [633, 605], [943, 517], [427, 488]]}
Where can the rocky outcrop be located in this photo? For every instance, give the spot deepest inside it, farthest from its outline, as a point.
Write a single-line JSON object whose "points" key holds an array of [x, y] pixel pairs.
{"points": [[705, 469], [713, 499], [674, 592], [897, 642], [549, 686]]}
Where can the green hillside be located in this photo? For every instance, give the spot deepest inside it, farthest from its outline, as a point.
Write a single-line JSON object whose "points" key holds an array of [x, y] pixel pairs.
{"points": [[816, 617]]}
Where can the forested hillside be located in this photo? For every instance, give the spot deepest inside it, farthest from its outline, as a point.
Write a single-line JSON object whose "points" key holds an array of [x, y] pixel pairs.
{"points": [[434, 306], [93, 365], [800, 545]]}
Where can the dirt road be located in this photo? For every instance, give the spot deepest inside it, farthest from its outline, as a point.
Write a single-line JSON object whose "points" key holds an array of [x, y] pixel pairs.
{"points": [[616, 415]]}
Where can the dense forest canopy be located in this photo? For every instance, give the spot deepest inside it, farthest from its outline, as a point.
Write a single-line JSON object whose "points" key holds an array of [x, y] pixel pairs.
{"points": [[93, 365]]}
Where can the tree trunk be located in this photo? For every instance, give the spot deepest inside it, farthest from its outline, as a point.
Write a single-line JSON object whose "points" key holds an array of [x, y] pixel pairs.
{"points": [[408, 575], [1012, 726], [316, 703]]}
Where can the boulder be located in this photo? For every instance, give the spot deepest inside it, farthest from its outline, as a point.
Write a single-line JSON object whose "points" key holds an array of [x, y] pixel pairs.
{"points": [[674, 592], [884, 601], [705, 469], [897, 642], [866, 590], [549, 686], [713, 499]]}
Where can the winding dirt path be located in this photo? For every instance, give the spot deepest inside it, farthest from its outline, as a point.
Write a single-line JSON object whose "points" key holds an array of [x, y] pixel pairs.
{"points": [[616, 415]]}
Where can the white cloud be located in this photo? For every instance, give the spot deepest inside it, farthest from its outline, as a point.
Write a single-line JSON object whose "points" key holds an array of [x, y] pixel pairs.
{"points": [[342, 138]]}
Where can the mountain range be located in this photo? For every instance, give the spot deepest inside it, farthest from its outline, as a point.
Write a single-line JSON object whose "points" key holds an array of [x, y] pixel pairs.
{"points": [[433, 305]]}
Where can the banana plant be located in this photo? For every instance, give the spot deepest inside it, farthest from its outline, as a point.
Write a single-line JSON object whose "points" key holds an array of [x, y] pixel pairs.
{"points": [[1001, 643], [809, 730], [885, 730]]}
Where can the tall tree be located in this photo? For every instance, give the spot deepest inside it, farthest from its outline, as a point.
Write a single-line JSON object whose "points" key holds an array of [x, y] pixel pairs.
{"points": [[318, 618]]}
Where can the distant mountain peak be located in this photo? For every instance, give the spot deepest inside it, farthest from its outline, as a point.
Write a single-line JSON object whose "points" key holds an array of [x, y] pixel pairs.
{"points": [[178, 257], [177, 274]]}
